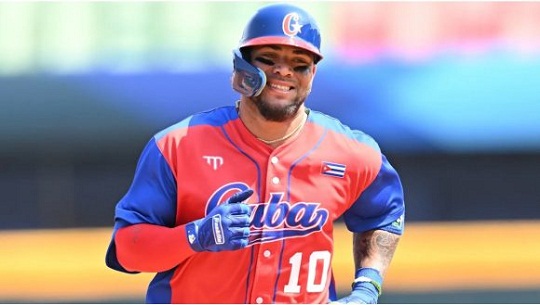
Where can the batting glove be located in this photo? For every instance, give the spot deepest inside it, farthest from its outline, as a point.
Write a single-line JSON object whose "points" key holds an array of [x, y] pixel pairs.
{"points": [[366, 288], [226, 227]]}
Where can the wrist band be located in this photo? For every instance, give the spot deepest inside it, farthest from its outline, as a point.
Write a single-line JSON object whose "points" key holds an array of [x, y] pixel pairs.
{"points": [[369, 275], [365, 279]]}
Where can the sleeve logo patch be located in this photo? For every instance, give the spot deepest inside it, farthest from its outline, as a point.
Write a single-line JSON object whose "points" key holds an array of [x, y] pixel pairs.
{"points": [[398, 223], [333, 169]]}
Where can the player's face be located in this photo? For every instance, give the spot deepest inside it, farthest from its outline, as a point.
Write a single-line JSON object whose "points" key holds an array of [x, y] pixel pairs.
{"points": [[289, 72]]}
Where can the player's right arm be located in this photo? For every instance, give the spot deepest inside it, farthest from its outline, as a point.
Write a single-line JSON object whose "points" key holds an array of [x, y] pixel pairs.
{"points": [[145, 219], [150, 248], [146, 238]]}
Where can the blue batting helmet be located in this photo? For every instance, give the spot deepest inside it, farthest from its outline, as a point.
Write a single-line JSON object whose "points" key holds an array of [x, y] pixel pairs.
{"points": [[283, 24]]}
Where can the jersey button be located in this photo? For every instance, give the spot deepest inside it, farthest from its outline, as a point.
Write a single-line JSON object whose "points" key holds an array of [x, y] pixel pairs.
{"points": [[259, 300], [267, 253], [275, 180], [274, 160]]}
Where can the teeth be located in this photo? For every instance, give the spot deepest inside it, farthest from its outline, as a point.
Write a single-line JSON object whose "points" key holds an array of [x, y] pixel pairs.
{"points": [[279, 87]]}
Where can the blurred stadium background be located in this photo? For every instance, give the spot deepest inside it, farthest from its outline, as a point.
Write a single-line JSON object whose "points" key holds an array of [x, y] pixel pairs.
{"points": [[451, 90]]}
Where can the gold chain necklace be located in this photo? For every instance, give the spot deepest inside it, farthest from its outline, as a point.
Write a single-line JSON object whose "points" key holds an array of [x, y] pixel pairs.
{"points": [[286, 136], [292, 133]]}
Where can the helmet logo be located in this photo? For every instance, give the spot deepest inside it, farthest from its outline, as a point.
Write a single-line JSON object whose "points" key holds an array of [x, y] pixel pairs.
{"points": [[291, 26]]}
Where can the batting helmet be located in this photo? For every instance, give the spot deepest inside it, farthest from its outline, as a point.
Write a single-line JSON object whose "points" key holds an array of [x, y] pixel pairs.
{"points": [[282, 24]]}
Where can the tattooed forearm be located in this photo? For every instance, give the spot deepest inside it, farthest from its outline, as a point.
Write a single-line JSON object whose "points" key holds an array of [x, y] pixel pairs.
{"points": [[374, 249]]}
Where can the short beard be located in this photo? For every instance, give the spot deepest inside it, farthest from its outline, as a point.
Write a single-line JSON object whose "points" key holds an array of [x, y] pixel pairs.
{"points": [[277, 113]]}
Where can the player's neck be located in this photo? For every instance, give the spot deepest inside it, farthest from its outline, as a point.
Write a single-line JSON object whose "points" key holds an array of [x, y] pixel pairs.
{"points": [[270, 132]]}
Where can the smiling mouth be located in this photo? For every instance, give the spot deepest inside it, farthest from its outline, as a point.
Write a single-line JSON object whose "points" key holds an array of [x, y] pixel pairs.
{"points": [[281, 88]]}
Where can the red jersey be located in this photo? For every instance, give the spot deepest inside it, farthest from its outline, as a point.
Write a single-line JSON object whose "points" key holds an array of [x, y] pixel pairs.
{"points": [[301, 188]]}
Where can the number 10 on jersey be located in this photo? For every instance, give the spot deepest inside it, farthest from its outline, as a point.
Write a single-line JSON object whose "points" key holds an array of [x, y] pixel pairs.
{"points": [[313, 283]]}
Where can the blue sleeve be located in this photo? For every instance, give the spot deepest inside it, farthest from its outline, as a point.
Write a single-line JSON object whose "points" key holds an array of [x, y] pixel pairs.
{"points": [[152, 195], [150, 199], [380, 206]]}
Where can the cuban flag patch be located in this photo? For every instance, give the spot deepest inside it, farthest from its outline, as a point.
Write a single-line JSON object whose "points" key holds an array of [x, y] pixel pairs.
{"points": [[333, 169]]}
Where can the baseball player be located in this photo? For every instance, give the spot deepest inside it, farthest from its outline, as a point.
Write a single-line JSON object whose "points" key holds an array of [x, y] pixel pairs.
{"points": [[237, 204]]}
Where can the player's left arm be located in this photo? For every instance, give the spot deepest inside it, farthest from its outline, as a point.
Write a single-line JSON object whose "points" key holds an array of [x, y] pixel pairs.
{"points": [[374, 249], [377, 220]]}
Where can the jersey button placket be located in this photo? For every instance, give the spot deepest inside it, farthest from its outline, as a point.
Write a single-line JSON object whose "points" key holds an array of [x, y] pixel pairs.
{"points": [[265, 275], [274, 160]]}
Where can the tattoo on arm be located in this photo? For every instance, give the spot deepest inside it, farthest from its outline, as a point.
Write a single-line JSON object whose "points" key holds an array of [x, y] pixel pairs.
{"points": [[374, 249]]}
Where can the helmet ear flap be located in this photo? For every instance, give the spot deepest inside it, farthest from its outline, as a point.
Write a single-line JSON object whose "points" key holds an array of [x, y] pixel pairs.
{"points": [[247, 79], [246, 54]]}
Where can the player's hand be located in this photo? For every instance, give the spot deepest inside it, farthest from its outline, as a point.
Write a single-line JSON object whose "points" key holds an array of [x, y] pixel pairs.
{"points": [[226, 227], [366, 288]]}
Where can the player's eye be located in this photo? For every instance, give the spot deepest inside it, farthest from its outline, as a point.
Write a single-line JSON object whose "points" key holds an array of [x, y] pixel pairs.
{"points": [[265, 61], [301, 69]]}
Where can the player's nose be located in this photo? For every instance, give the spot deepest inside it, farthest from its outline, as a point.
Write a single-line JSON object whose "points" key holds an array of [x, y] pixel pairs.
{"points": [[282, 69]]}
